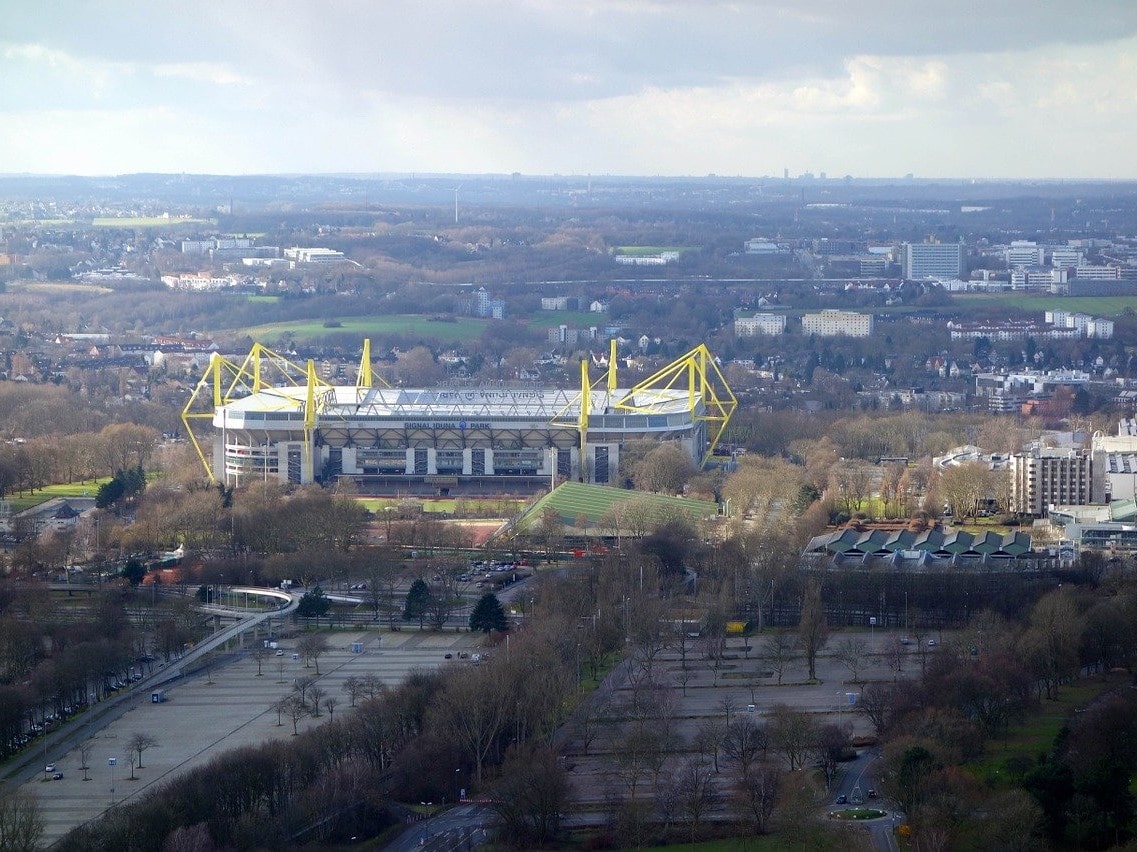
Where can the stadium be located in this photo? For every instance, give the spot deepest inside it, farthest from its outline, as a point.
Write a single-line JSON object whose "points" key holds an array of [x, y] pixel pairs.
{"points": [[273, 420]]}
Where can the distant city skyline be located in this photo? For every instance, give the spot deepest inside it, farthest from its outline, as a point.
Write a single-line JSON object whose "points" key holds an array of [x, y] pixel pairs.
{"points": [[870, 88]]}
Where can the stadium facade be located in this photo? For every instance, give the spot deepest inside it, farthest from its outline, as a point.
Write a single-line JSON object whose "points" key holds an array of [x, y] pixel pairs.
{"points": [[274, 420]]}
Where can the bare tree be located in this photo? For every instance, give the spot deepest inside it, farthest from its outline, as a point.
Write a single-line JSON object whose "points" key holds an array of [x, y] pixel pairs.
{"points": [[852, 653], [472, 707], [778, 652], [189, 838], [876, 704], [758, 790], [260, 654], [315, 700], [812, 629], [140, 742], [793, 734], [295, 708], [709, 740], [698, 795], [301, 686], [330, 704], [531, 796], [353, 686], [85, 749], [895, 652], [21, 822], [745, 742], [372, 685], [590, 719], [311, 646], [833, 746]]}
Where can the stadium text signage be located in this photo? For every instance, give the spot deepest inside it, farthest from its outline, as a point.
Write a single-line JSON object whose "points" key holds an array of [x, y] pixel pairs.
{"points": [[461, 424]]}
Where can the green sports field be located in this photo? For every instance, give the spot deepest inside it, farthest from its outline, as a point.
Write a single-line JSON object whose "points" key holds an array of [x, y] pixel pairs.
{"points": [[146, 222], [551, 319], [27, 500], [648, 251], [462, 330], [572, 500], [1102, 306]]}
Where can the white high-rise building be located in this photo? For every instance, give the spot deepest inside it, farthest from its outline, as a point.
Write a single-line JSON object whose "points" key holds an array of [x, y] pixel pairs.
{"points": [[830, 323], [1024, 253], [933, 260], [760, 324], [1050, 476]]}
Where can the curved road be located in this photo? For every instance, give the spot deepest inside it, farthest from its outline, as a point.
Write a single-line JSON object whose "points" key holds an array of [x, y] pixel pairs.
{"points": [[19, 770]]}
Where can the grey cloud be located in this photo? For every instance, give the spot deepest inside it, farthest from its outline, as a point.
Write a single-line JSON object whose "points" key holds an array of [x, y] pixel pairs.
{"points": [[497, 50]]}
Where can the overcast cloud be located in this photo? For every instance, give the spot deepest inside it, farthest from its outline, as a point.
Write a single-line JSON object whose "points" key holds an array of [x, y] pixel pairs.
{"points": [[862, 87]]}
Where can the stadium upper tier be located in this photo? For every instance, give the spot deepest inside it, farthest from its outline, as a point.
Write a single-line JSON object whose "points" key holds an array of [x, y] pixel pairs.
{"points": [[290, 426]]}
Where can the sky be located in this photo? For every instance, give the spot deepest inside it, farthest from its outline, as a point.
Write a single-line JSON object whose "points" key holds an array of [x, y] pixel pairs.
{"points": [[869, 88]]}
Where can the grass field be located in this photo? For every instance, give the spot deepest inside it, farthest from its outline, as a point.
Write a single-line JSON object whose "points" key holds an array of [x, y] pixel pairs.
{"points": [[572, 500], [27, 500], [146, 222], [647, 251], [263, 300], [1096, 305], [58, 287], [462, 330], [1036, 735]]}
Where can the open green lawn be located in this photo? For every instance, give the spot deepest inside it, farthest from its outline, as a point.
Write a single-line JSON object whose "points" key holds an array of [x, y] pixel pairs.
{"points": [[461, 330], [1096, 305], [647, 251], [572, 500], [146, 221], [263, 300], [1036, 735], [27, 500], [58, 287]]}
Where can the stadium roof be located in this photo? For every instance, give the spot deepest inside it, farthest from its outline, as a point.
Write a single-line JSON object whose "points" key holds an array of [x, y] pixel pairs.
{"points": [[536, 403]]}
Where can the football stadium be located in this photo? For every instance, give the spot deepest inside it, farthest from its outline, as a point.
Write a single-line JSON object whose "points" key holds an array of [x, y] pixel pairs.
{"points": [[267, 418]]}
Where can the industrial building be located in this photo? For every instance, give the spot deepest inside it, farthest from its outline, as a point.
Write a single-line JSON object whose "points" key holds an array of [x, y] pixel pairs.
{"points": [[269, 419]]}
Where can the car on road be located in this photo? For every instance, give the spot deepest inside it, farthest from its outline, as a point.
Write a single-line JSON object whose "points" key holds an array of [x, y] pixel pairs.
{"points": [[49, 768], [58, 776], [842, 799], [872, 793]]}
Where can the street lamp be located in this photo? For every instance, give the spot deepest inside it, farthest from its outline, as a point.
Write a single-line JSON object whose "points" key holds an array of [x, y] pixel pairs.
{"points": [[111, 761]]}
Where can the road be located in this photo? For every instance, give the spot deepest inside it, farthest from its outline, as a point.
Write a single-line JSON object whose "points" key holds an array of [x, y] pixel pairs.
{"points": [[856, 778], [29, 766], [463, 827]]}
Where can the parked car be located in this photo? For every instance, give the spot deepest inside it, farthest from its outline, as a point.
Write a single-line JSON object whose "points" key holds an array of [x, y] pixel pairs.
{"points": [[842, 799], [58, 776]]}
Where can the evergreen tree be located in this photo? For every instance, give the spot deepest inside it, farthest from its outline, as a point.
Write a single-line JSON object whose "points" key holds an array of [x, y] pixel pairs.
{"points": [[109, 493], [134, 571], [418, 600], [489, 615], [314, 603]]}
